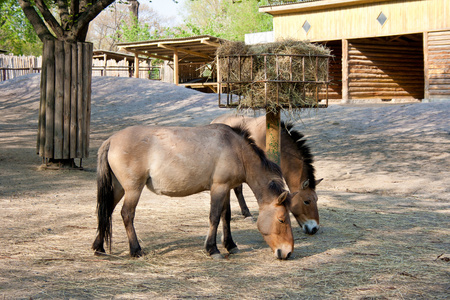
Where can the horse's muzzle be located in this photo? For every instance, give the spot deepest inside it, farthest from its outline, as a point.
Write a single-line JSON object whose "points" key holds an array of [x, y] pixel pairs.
{"points": [[282, 255], [310, 227]]}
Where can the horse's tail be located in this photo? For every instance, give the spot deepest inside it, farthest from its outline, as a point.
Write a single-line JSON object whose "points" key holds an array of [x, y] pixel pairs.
{"points": [[105, 195]]}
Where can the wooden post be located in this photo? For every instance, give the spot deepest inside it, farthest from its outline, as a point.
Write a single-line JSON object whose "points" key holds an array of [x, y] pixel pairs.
{"points": [[273, 135], [219, 91], [345, 97], [426, 74], [59, 100], [136, 66], [50, 100], [80, 101], [73, 102], [105, 59], [67, 98], [176, 70]]}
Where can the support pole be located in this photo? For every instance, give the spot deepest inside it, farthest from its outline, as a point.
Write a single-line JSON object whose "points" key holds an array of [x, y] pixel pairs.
{"points": [[345, 92], [273, 135], [136, 65], [176, 71], [426, 74]]}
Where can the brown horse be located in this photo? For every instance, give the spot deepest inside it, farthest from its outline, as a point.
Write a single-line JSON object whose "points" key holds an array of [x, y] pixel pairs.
{"points": [[181, 161], [296, 164]]}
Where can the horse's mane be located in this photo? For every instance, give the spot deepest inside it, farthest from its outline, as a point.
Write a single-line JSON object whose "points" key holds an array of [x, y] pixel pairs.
{"points": [[277, 185], [305, 152]]}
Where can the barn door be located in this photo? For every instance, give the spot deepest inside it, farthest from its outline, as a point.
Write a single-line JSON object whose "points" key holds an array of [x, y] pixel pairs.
{"points": [[65, 102]]}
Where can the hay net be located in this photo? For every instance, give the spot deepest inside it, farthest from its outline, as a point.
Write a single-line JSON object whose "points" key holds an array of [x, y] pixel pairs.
{"points": [[284, 74]]}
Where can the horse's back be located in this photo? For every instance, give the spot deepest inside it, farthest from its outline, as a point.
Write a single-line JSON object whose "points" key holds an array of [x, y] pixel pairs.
{"points": [[255, 126], [175, 161]]}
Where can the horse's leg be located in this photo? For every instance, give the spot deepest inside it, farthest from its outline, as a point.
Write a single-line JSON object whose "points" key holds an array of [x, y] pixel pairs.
{"points": [[118, 194], [227, 240], [128, 212], [240, 196], [218, 196]]}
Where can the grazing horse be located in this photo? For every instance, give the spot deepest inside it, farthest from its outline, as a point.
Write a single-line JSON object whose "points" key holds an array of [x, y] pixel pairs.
{"points": [[296, 164], [181, 161]]}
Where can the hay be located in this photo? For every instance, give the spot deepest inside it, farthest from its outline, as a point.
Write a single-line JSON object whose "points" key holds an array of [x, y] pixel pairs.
{"points": [[285, 74]]}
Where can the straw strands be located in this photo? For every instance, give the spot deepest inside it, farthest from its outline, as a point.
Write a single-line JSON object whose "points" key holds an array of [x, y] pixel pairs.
{"points": [[285, 74]]}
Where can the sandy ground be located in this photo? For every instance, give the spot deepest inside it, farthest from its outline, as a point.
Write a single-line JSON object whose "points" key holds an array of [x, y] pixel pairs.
{"points": [[384, 207]]}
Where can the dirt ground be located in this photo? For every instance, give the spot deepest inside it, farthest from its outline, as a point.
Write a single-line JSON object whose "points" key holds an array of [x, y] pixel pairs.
{"points": [[384, 208]]}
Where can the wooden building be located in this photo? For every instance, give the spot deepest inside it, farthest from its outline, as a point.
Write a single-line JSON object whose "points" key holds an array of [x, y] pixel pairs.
{"points": [[383, 49], [191, 58]]}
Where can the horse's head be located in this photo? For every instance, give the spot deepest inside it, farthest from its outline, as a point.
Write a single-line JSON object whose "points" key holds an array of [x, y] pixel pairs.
{"points": [[275, 225], [304, 207]]}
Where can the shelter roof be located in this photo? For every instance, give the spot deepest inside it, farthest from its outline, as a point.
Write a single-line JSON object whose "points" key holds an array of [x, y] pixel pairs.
{"points": [[190, 49], [101, 54]]}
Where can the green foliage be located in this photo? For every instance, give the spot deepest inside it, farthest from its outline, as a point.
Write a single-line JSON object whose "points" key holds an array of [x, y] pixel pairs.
{"points": [[223, 18], [16, 33], [134, 31]]}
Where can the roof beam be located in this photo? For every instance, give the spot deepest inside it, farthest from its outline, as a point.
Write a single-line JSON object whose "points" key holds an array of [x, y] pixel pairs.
{"points": [[209, 43], [152, 55], [161, 45]]}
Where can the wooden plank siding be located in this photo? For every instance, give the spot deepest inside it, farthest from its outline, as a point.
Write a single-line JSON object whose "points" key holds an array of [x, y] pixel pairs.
{"points": [[359, 20], [382, 69], [335, 72], [408, 56], [438, 72]]}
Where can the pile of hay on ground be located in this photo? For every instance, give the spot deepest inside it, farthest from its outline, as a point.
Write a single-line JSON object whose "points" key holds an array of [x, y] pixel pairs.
{"points": [[282, 74]]}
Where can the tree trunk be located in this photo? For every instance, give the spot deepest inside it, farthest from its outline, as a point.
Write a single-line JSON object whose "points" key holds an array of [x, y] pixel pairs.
{"points": [[65, 102], [134, 8]]}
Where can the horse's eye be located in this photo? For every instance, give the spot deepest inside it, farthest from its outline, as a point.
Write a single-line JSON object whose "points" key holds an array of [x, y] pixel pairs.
{"points": [[307, 202], [281, 221]]}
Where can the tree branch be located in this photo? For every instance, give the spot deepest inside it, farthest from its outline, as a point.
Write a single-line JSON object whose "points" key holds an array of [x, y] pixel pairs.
{"points": [[88, 14], [74, 8], [63, 9], [50, 19], [35, 20]]}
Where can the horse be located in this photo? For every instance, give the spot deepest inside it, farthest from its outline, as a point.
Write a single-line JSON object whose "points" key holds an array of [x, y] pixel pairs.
{"points": [[181, 161], [296, 165]]}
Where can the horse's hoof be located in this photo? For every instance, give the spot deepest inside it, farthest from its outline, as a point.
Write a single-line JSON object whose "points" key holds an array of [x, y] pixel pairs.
{"points": [[250, 218], [234, 250], [217, 256], [99, 253], [137, 254]]}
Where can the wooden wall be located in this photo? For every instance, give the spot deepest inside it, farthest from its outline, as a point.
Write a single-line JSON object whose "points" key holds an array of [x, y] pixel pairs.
{"points": [[437, 72], [386, 68], [360, 20], [335, 71]]}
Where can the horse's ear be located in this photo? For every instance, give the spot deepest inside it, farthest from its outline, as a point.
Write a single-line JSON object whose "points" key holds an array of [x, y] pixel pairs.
{"points": [[284, 195], [305, 184], [319, 181]]}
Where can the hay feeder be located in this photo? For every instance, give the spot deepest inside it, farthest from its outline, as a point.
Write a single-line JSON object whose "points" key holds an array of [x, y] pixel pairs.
{"points": [[285, 75]]}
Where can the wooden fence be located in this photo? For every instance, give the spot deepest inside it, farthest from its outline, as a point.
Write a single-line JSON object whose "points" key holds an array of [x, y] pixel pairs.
{"points": [[15, 66]]}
